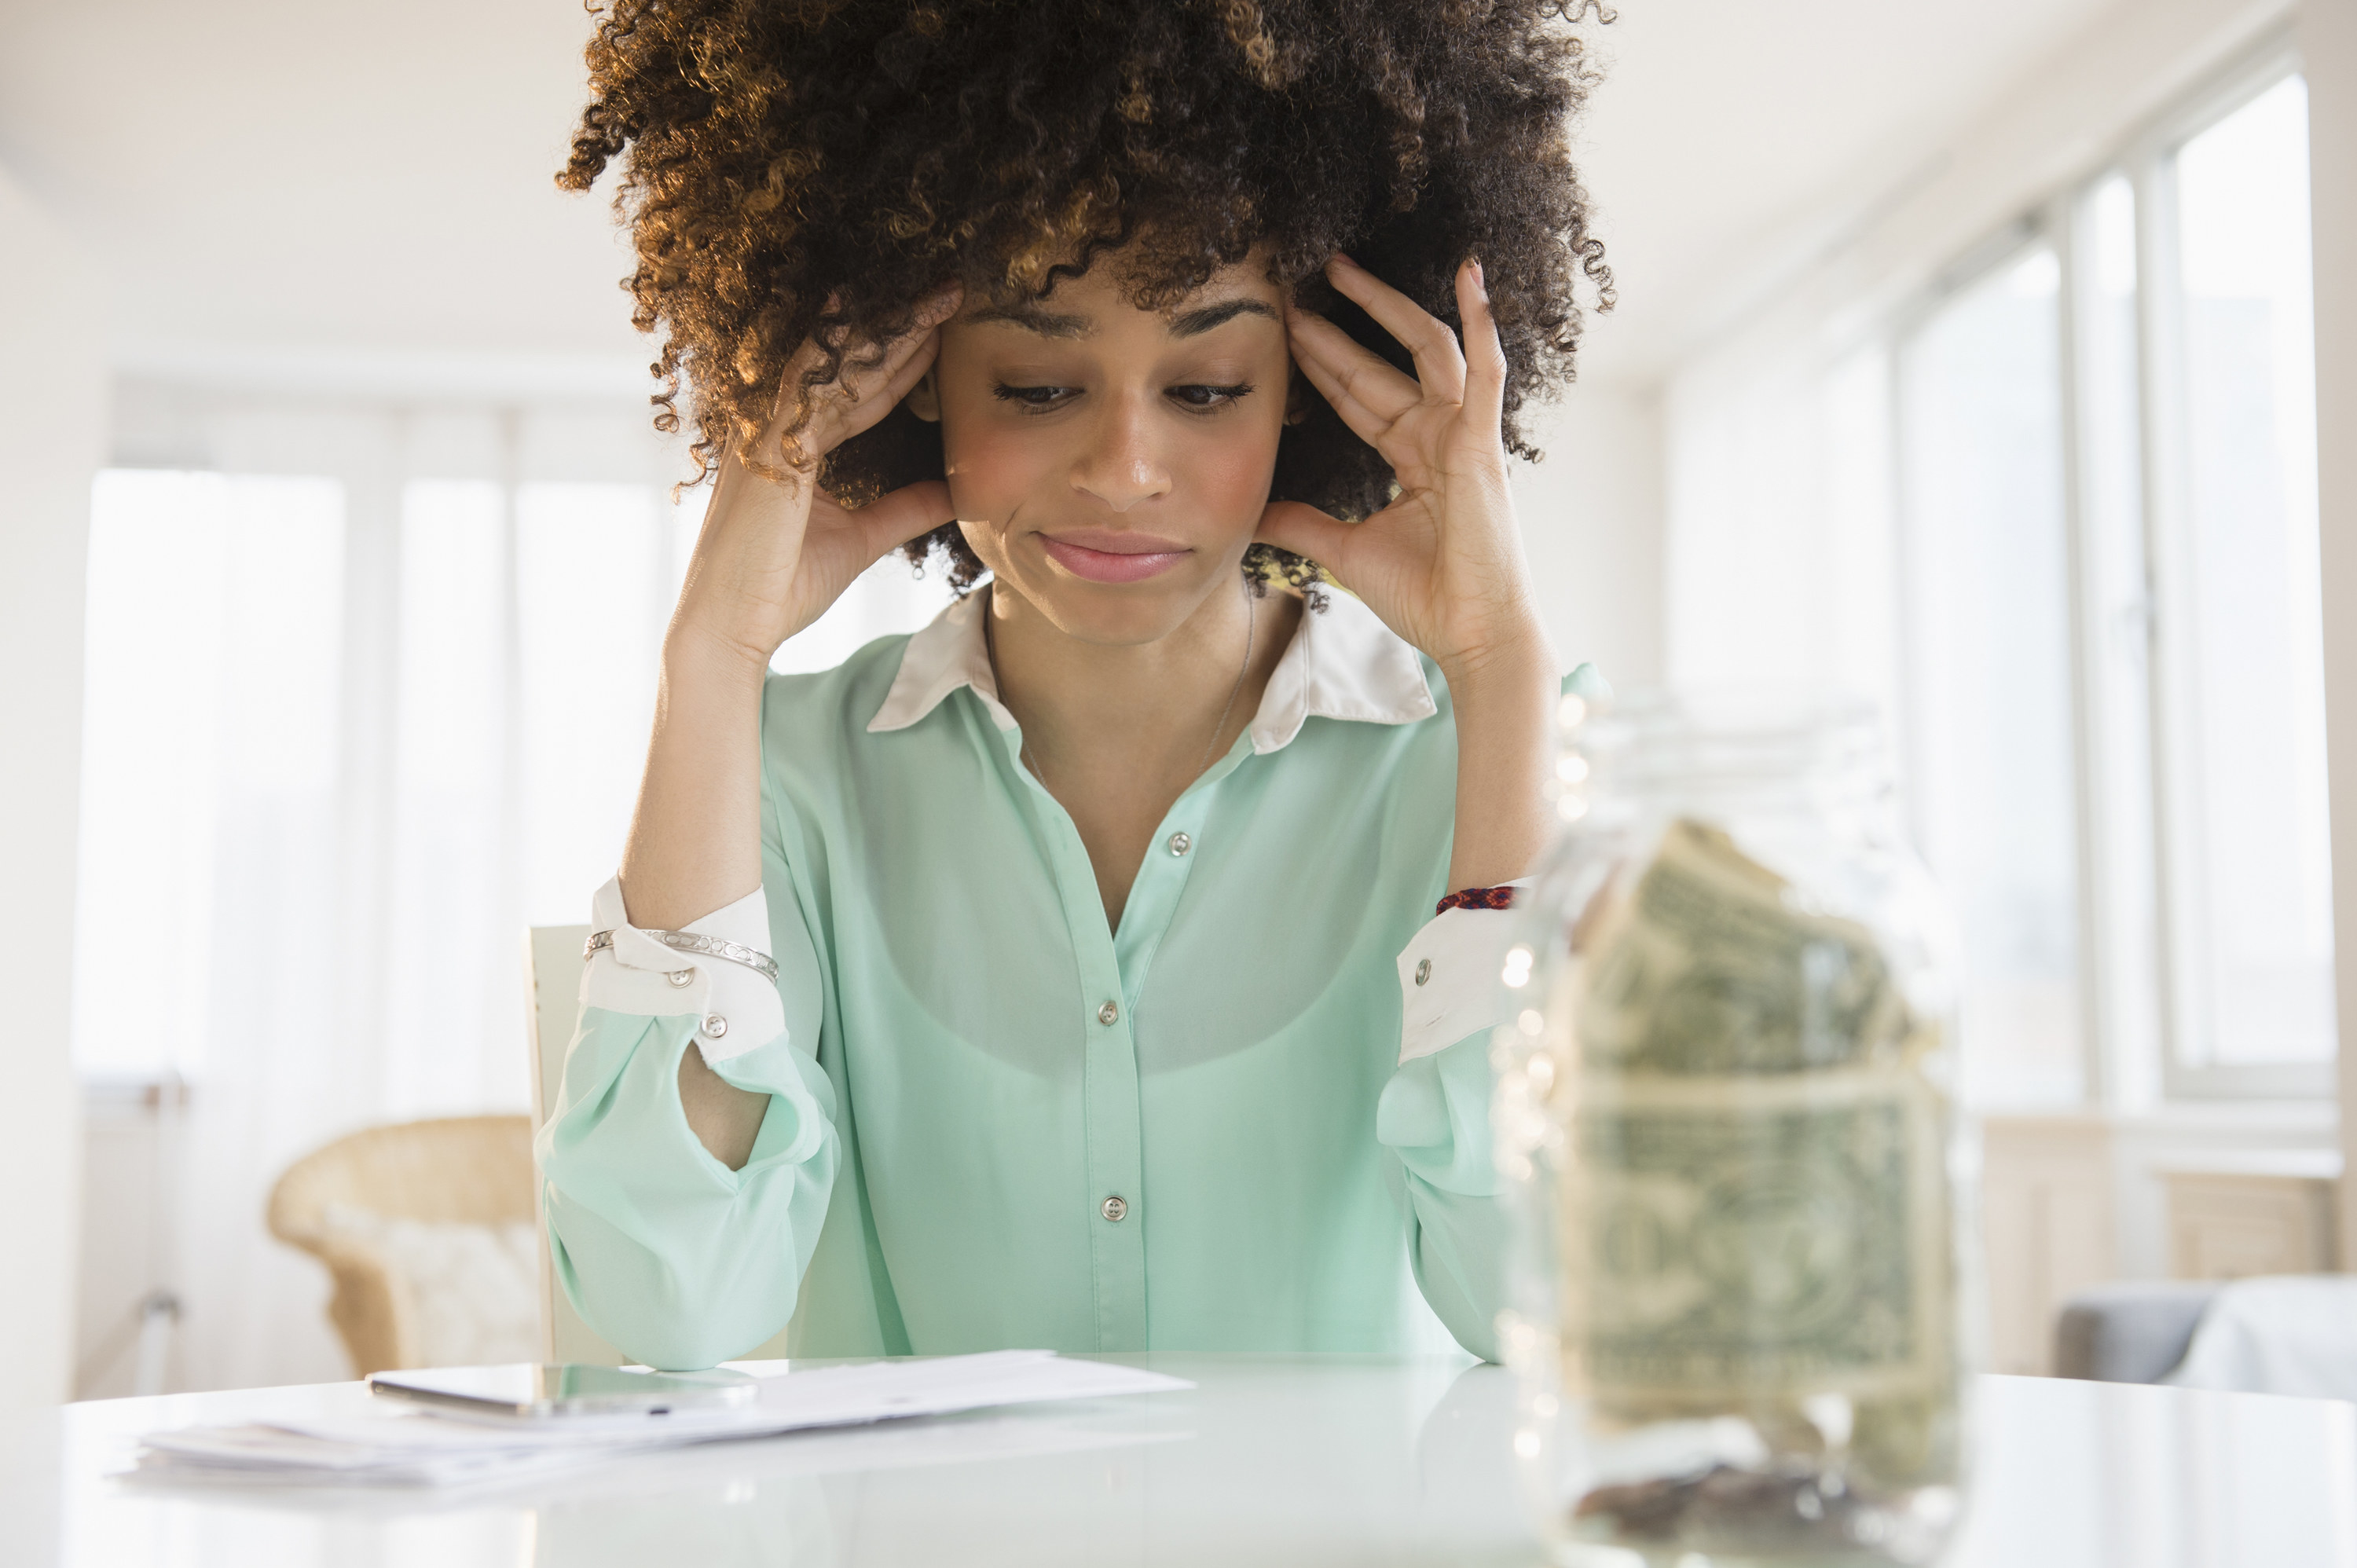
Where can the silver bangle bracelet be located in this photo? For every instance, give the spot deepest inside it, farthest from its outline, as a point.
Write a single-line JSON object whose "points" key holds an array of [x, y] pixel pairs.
{"points": [[760, 963]]}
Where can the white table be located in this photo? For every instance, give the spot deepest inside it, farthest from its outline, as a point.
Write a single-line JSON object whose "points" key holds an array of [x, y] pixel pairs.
{"points": [[1301, 1461]]}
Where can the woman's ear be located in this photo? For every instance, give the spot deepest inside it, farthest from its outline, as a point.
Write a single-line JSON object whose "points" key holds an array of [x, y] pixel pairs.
{"points": [[924, 399]]}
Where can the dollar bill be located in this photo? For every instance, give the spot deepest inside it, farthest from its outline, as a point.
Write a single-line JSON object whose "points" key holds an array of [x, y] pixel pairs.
{"points": [[1756, 1209], [1705, 967]]}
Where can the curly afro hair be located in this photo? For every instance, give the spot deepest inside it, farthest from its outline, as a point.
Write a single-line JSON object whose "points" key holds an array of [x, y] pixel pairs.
{"points": [[801, 169]]}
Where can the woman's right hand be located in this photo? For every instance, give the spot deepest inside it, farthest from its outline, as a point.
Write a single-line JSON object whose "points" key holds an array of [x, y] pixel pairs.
{"points": [[775, 553]]}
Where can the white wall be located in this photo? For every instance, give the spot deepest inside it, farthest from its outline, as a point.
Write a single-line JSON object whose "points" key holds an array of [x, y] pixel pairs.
{"points": [[52, 426], [2328, 31], [1779, 569], [1591, 516], [1775, 480]]}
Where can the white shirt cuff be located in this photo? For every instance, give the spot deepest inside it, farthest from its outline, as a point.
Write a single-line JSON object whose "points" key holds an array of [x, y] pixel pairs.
{"points": [[736, 1009], [1452, 979]]}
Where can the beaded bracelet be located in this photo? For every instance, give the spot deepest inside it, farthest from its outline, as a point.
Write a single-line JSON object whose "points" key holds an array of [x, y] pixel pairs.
{"points": [[1477, 898]]}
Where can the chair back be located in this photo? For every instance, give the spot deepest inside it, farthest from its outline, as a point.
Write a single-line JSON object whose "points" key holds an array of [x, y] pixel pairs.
{"points": [[553, 965], [461, 1170]]}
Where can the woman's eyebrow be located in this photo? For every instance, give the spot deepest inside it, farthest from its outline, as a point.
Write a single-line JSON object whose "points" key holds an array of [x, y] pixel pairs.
{"points": [[1190, 323], [1046, 323]]}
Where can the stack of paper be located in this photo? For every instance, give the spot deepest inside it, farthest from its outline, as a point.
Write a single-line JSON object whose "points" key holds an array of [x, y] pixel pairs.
{"points": [[395, 1444]]}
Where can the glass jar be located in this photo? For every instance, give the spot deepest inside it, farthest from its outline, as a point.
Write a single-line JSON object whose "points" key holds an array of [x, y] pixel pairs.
{"points": [[1740, 1284]]}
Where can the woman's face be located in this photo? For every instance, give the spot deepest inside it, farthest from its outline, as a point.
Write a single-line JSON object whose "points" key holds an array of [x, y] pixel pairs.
{"points": [[1110, 464]]}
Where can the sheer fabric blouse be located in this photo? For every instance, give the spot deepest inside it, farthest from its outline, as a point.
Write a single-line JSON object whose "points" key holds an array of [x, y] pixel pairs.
{"points": [[1253, 1117]]}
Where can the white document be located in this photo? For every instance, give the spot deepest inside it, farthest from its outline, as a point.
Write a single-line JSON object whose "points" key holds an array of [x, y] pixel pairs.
{"points": [[402, 1444]]}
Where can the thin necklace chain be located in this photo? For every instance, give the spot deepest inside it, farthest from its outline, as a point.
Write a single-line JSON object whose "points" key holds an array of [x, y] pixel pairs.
{"points": [[1252, 617]]}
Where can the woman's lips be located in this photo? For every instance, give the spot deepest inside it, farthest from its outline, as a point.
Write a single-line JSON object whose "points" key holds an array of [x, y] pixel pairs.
{"points": [[1108, 557]]}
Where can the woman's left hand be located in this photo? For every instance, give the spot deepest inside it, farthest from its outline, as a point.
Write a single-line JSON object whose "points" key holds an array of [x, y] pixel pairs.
{"points": [[1442, 566]]}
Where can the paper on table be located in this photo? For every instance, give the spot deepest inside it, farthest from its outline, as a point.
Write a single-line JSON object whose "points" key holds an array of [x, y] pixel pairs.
{"points": [[409, 1447], [262, 1456]]}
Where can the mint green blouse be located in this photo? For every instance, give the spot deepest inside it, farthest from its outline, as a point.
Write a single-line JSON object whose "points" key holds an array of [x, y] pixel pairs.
{"points": [[1245, 1120]]}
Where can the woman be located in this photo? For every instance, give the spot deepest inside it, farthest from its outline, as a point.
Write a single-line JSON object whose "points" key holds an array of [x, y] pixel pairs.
{"points": [[1067, 974]]}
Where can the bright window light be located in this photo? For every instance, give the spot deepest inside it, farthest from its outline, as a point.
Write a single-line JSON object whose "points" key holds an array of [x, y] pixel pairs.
{"points": [[2254, 865], [1989, 646], [591, 560], [210, 753]]}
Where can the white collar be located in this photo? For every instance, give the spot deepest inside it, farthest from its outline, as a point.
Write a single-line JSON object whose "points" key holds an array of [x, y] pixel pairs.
{"points": [[1342, 663]]}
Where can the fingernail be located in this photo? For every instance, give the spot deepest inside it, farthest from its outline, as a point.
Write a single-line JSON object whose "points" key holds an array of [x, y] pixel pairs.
{"points": [[1347, 260]]}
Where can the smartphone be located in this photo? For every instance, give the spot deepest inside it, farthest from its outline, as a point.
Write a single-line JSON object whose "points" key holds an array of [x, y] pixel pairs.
{"points": [[529, 1392]]}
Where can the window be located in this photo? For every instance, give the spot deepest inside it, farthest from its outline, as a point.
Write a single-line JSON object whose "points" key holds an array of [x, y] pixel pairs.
{"points": [[213, 700], [1988, 564], [345, 733], [346, 730], [2242, 650], [2106, 446]]}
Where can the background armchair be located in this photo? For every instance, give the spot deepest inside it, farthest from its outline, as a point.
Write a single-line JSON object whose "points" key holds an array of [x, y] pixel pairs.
{"points": [[363, 1206]]}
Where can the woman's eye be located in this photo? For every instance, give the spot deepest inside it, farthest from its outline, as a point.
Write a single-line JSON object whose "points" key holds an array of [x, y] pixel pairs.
{"points": [[1031, 397], [1198, 396]]}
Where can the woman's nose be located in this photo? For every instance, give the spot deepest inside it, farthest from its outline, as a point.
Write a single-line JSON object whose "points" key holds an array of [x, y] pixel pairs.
{"points": [[1120, 466]]}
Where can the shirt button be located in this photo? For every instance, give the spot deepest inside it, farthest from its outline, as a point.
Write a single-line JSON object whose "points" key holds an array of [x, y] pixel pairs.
{"points": [[715, 1025], [1113, 1209], [1109, 1015], [679, 977], [1423, 970], [1180, 844]]}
